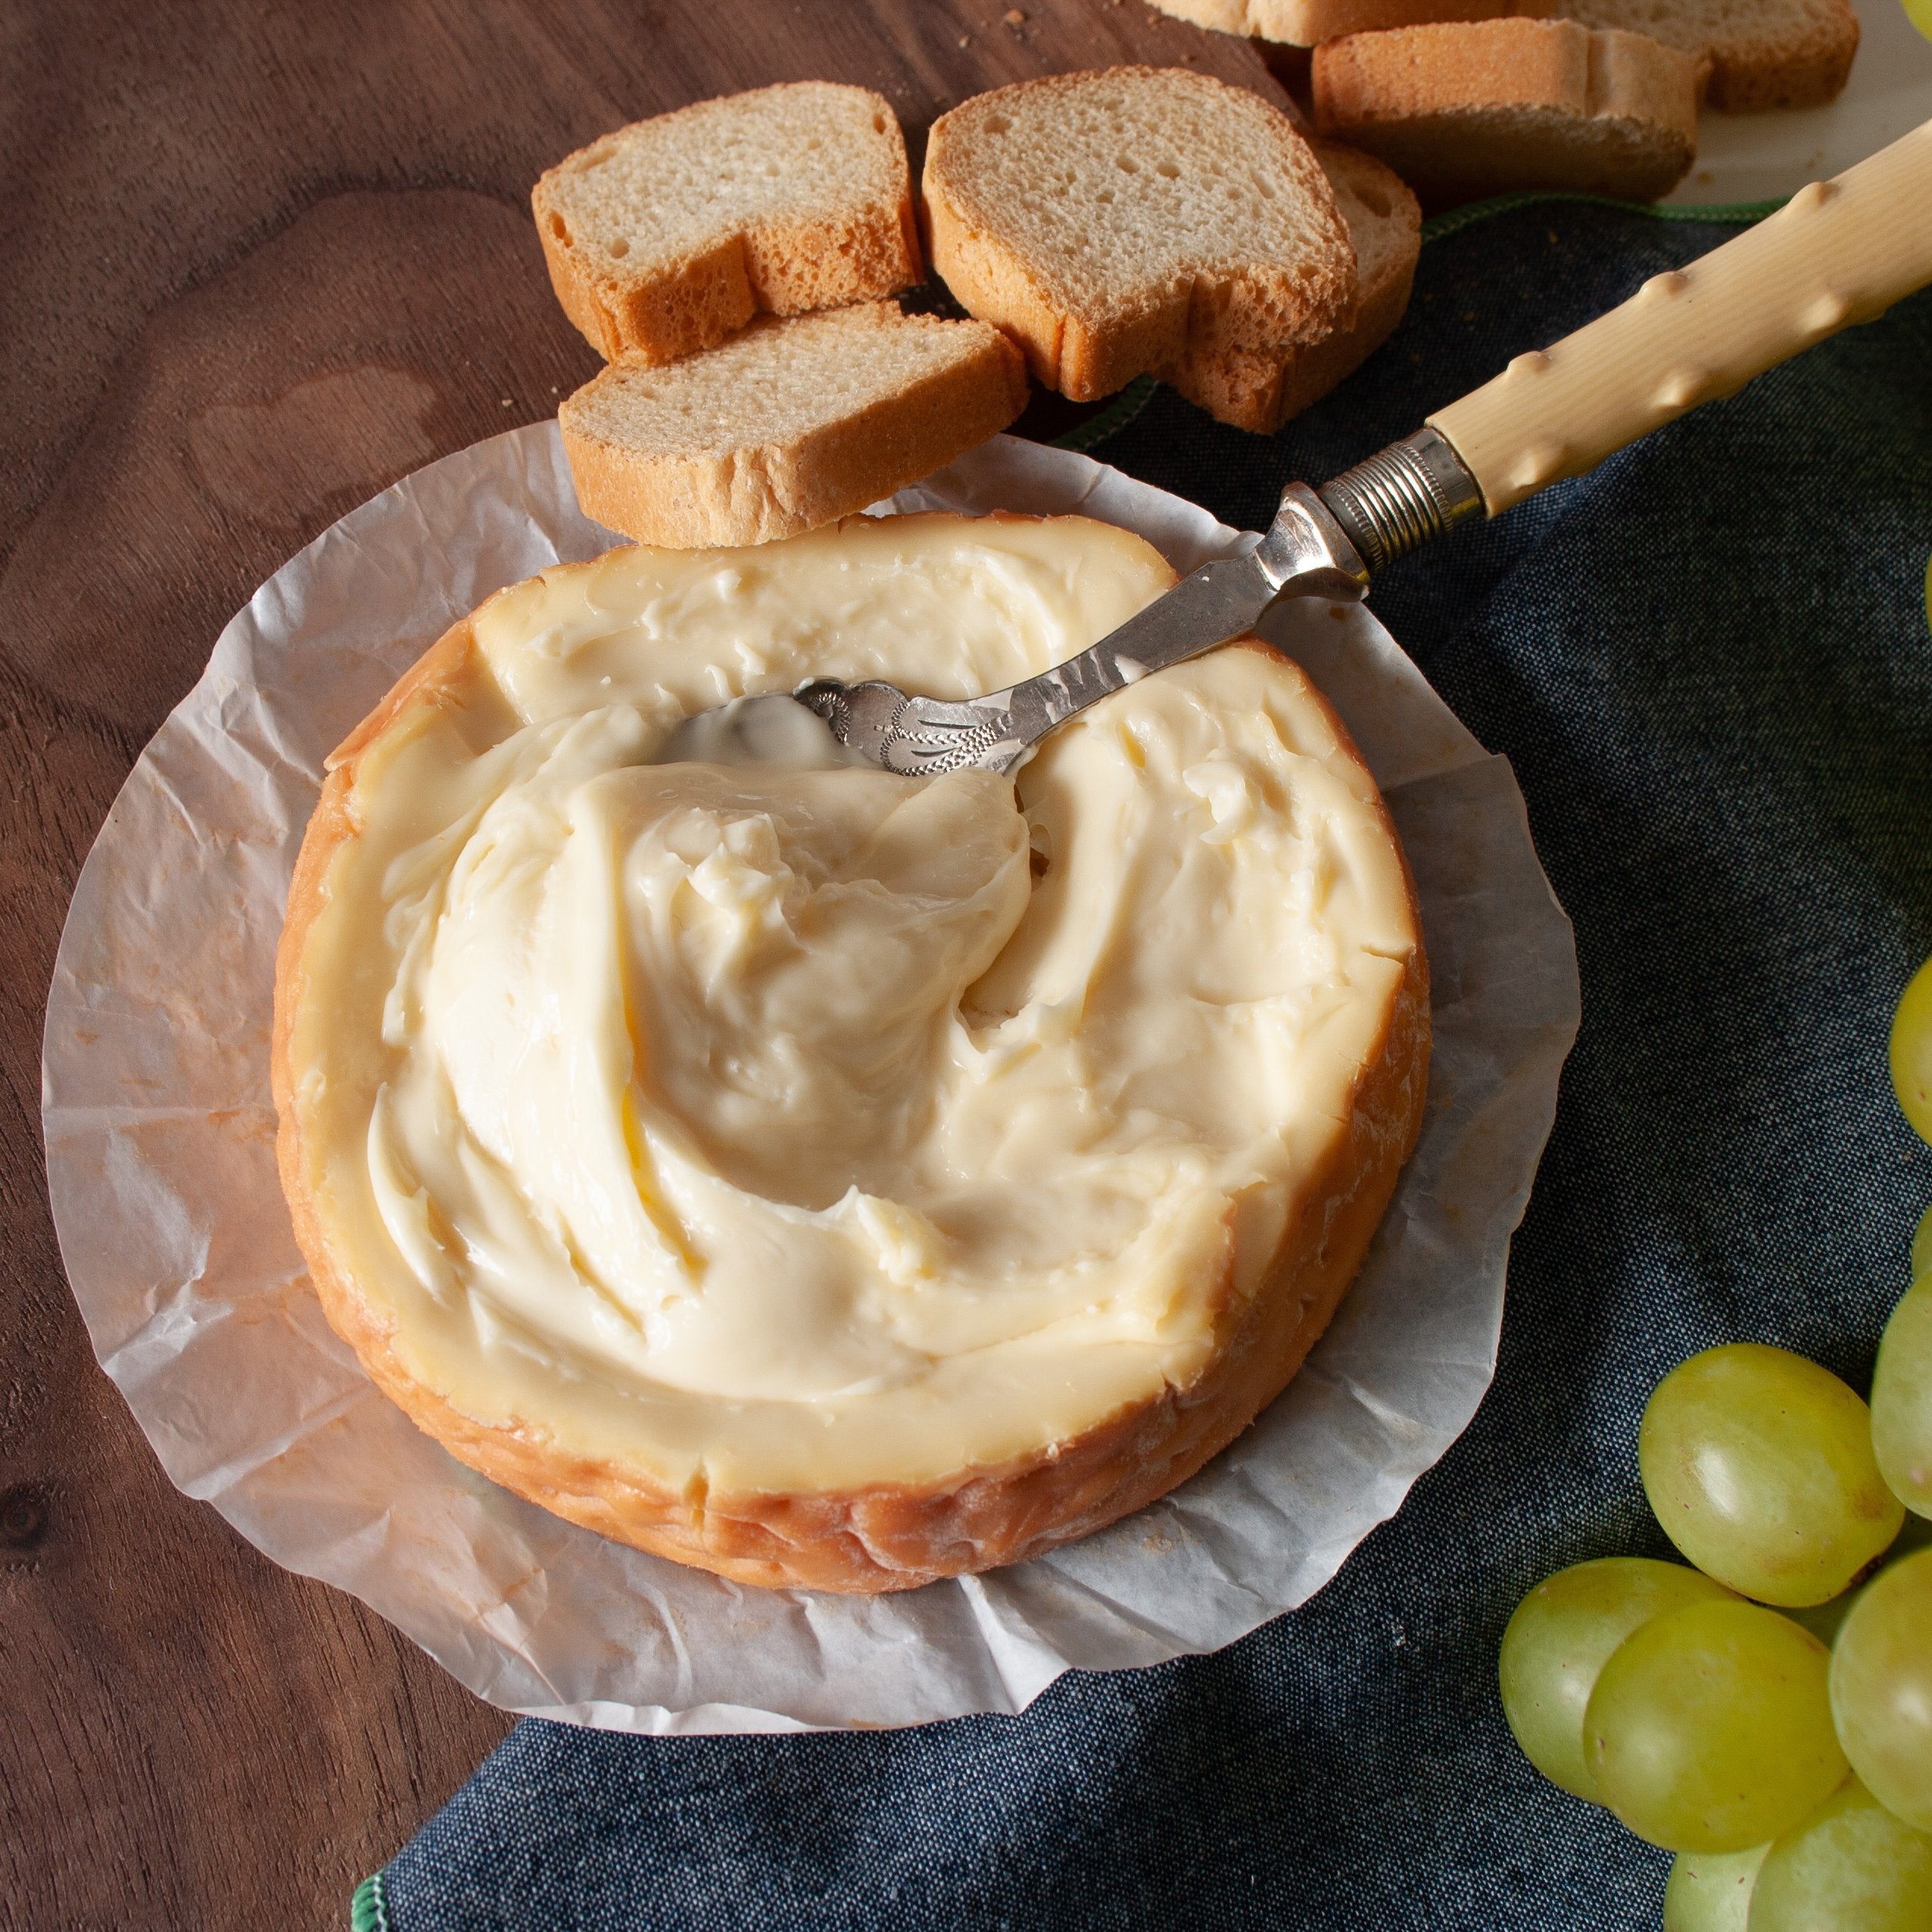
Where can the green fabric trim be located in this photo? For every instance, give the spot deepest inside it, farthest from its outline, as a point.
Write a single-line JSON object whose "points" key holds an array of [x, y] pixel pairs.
{"points": [[1435, 228], [1116, 415], [369, 1910]]}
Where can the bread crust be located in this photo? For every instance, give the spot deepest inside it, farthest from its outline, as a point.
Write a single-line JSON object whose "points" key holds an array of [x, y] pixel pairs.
{"points": [[1750, 77], [883, 1537], [1460, 110], [757, 493], [662, 311], [1261, 311], [1307, 23], [1261, 393], [1787, 56]]}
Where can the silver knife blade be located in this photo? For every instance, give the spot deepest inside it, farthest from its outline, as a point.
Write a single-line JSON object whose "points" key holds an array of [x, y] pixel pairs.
{"points": [[1211, 605]]}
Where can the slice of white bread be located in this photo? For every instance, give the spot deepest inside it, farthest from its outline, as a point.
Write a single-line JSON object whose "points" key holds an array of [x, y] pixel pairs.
{"points": [[1758, 53], [1134, 219], [1304, 23], [790, 425], [664, 237], [1468, 109], [1386, 225]]}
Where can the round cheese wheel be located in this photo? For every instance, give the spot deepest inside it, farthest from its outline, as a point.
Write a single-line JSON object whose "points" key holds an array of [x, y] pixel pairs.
{"points": [[822, 1176]]}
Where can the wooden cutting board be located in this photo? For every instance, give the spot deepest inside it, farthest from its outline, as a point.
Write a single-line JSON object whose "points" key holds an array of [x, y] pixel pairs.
{"points": [[259, 261]]}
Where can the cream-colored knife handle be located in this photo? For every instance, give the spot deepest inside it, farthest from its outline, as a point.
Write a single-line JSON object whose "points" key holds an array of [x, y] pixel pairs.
{"points": [[1838, 252]]}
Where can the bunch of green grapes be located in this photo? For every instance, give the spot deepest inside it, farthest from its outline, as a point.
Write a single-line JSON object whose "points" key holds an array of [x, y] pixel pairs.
{"points": [[1768, 1715], [1901, 1383]]}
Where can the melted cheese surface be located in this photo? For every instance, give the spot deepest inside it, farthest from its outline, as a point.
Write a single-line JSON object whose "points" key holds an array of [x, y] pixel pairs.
{"points": [[787, 1128]]}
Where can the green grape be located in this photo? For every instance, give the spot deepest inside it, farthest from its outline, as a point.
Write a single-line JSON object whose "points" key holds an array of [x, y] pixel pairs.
{"points": [[1921, 1246], [1710, 1728], [1911, 1051], [1902, 1401], [1853, 1868], [1558, 1640], [1758, 1465], [1825, 1620], [1881, 1688], [1711, 1891]]}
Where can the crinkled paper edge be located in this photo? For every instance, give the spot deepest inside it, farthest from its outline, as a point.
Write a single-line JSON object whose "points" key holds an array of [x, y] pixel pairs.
{"points": [[160, 1136]]}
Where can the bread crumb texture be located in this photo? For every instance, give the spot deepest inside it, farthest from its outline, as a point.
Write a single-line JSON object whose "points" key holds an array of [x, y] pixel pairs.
{"points": [[1140, 219], [1386, 225], [663, 238], [790, 424], [1756, 53], [1468, 109], [1304, 23]]}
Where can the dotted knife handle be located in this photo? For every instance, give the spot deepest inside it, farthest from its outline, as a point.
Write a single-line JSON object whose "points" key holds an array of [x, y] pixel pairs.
{"points": [[1838, 252]]}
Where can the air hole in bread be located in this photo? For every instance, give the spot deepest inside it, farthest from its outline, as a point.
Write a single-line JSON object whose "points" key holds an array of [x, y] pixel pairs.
{"points": [[878, 123], [996, 123], [618, 247], [1167, 170], [561, 229], [1127, 164]]}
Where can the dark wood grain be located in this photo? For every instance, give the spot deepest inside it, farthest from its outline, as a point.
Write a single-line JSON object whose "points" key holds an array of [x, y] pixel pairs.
{"points": [[256, 262]]}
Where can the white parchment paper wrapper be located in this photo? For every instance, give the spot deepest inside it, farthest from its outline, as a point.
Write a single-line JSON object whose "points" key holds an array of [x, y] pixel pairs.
{"points": [[161, 1161]]}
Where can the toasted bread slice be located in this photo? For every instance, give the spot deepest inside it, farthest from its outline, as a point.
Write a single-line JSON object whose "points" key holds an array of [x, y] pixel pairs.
{"points": [[664, 237], [1464, 109], [790, 425], [1758, 53], [1134, 219], [1305, 22], [1386, 225]]}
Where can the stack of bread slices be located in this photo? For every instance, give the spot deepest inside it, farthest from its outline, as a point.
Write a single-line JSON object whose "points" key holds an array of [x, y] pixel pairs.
{"points": [[735, 263], [1467, 98], [1149, 220]]}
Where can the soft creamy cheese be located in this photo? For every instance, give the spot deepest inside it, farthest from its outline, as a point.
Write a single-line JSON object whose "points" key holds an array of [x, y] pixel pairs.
{"points": [[784, 1126]]}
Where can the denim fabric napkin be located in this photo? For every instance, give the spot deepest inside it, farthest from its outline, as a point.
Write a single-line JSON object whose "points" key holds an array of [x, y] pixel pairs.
{"points": [[1709, 663]]}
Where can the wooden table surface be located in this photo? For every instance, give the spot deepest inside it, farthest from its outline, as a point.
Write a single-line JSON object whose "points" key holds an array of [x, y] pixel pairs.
{"points": [[259, 260]]}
